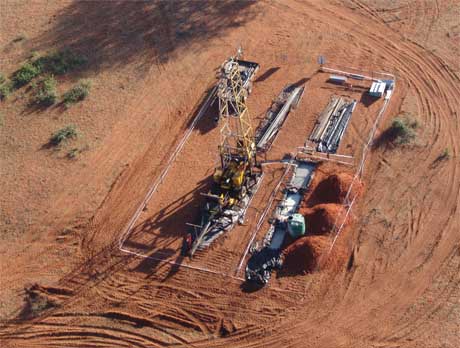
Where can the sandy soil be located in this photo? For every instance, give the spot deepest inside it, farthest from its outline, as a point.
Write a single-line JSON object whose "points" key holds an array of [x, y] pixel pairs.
{"points": [[151, 64]]}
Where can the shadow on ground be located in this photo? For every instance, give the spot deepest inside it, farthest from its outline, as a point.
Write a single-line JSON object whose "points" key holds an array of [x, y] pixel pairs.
{"points": [[267, 74], [157, 236], [113, 33]]}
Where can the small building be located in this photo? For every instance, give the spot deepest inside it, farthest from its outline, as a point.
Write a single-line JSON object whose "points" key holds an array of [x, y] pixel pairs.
{"points": [[377, 89], [337, 79]]}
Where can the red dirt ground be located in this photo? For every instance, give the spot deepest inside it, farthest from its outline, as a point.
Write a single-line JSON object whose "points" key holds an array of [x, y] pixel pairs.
{"points": [[151, 63]]}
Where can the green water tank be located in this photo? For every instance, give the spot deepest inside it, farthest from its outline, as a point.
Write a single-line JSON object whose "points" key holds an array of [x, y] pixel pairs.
{"points": [[296, 225]]}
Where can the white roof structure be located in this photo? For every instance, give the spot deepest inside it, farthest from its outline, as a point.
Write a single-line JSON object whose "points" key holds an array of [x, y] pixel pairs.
{"points": [[377, 89]]}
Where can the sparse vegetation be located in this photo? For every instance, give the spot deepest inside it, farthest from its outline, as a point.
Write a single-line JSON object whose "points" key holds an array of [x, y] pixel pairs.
{"points": [[5, 90], [25, 74], [2, 78], [56, 63], [73, 153], [45, 91], [59, 63], [64, 134], [402, 130], [77, 93]]}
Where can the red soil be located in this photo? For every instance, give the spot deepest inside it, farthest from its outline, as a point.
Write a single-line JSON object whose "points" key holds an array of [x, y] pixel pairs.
{"points": [[335, 187], [302, 256], [321, 218], [313, 253]]}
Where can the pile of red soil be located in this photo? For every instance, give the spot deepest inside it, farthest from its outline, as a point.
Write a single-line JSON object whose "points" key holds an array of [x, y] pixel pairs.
{"points": [[321, 218], [303, 255], [334, 188], [311, 253]]}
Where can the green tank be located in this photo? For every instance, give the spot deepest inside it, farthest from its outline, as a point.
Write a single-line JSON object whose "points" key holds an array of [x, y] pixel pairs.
{"points": [[296, 225]]}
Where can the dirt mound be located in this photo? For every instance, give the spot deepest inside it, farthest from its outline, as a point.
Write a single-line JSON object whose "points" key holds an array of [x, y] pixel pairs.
{"points": [[303, 255], [334, 188], [321, 218], [307, 254]]}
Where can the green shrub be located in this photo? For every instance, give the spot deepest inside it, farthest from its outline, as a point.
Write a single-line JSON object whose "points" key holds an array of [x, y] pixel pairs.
{"points": [[45, 91], [64, 134], [25, 74], [77, 93], [402, 130], [56, 63], [59, 63], [5, 90], [73, 153], [2, 78]]}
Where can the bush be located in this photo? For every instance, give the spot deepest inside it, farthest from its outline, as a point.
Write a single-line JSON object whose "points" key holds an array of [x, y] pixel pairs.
{"points": [[45, 91], [25, 74], [402, 130], [59, 63], [5, 90], [62, 135], [73, 153], [56, 63], [77, 93], [2, 78]]}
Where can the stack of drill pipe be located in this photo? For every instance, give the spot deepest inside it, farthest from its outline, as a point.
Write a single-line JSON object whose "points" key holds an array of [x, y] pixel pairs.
{"points": [[338, 121], [333, 143], [323, 119], [277, 121]]}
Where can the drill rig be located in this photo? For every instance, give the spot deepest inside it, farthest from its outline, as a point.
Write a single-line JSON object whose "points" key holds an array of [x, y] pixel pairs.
{"points": [[237, 178]]}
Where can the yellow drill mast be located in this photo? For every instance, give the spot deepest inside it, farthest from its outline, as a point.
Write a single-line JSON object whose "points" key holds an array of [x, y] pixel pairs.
{"points": [[237, 137], [236, 180]]}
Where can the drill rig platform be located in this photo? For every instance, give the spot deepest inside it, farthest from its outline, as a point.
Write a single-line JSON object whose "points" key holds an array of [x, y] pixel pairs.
{"points": [[248, 71], [237, 178]]}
